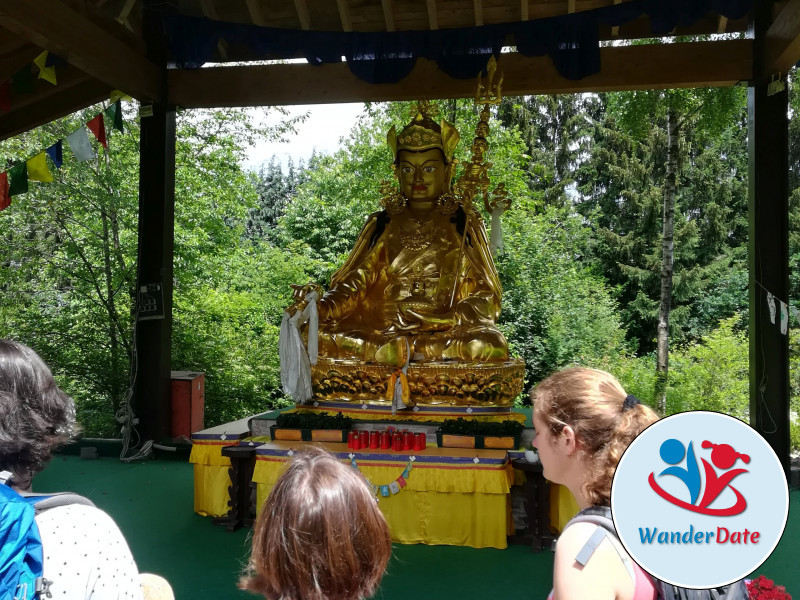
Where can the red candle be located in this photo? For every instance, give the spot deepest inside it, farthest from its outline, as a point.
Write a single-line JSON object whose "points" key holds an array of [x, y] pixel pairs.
{"points": [[363, 439], [397, 442], [374, 439], [408, 440], [417, 442], [423, 441], [351, 437], [386, 440]]}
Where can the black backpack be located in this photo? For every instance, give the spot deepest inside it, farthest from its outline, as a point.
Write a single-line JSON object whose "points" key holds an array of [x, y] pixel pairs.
{"points": [[601, 515]]}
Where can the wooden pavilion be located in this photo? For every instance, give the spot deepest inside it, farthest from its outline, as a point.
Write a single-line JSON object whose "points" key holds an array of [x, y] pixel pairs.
{"points": [[143, 47]]}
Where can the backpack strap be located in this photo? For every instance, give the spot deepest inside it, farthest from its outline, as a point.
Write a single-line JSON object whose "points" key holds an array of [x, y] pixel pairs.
{"points": [[43, 502], [5, 477], [600, 516]]}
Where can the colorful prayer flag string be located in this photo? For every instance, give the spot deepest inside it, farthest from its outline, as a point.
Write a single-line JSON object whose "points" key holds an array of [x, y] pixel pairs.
{"points": [[388, 489]]}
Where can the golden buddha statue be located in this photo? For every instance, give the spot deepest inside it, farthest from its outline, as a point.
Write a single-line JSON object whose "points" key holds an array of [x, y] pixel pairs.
{"points": [[414, 273], [419, 292]]}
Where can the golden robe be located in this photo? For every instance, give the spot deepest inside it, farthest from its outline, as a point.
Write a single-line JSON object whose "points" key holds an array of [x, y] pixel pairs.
{"points": [[416, 280]]}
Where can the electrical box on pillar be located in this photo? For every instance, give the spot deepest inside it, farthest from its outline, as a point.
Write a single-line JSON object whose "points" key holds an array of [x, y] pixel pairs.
{"points": [[188, 393]]}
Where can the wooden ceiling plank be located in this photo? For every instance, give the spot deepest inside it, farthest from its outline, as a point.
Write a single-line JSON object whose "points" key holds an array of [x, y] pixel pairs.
{"points": [[256, 14], [478, 6], [722, 24], [433, 18], [344, 15], [570, 6], [388, 14], [656, 66], [303, 14], [523, 10], [783, 40], [66, 101], [54, 26]]}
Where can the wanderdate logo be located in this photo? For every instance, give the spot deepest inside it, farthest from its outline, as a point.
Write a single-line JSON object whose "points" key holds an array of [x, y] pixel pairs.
{"points": [[699, 499], [723, 457]]}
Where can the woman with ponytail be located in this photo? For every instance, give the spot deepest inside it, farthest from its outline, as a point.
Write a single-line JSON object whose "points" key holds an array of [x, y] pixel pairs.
{"points": [[584, 421]]}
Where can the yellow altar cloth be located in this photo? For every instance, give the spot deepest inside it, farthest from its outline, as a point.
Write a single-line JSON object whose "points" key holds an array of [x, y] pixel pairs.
{"points": [[448, 497], [211, 478]]}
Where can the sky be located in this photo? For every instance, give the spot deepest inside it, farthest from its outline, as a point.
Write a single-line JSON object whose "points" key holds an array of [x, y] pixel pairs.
{"points": [[325, 126]]}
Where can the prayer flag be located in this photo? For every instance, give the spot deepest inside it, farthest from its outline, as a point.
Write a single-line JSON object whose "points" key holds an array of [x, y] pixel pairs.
{"points": [[56, 153], [401, 481], [37, 168], [385, 491], [98, 128], [54, 60], [118, 95], [394, 488], [5, 197], [48, 73], [22, 81], [19, 180], [78, 142], [113, 115], [784, 317], [5, 96]]}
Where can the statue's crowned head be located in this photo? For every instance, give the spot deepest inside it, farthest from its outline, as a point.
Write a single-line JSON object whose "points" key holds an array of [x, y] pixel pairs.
{"points": [[423, 155], [423, 133]]}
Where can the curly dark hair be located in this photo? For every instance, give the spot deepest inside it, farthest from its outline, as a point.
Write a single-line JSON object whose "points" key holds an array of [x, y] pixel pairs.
{"points": [[35, 415]]}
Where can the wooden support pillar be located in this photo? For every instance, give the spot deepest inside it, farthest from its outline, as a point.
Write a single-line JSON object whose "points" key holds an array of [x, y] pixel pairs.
{"points": [[156, 240], [768, 253]]}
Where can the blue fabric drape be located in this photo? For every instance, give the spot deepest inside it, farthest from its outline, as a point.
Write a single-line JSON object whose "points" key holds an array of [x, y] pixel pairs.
{"points": [[571, 41]]}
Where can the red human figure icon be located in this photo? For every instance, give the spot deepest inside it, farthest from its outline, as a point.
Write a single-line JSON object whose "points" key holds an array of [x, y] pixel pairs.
{"points": [[723, 456]]}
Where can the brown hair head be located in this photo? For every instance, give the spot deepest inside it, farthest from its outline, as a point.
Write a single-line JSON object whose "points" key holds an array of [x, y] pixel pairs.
{"points": [[35, 415], [591, 403], [320, 534]]}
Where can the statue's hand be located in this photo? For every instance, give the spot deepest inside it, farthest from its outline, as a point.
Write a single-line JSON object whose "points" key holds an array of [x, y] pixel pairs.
{"points": [[431, 320]]}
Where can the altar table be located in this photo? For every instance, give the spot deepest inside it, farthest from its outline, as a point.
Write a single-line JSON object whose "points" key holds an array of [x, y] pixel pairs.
{"points": [[449, 498]]}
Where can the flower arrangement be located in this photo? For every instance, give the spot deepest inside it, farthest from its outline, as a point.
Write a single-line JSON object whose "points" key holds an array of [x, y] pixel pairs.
{"points": [[765, 589]]}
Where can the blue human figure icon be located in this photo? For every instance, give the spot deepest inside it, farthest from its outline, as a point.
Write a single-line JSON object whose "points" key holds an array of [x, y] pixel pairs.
{"points": [[672, 453]]}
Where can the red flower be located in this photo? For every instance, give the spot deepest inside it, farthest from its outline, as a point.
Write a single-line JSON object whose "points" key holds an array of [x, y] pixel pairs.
{"points": [[765, 589]]}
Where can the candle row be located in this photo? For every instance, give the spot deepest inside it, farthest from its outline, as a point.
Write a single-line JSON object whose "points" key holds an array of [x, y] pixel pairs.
{"points": [[386, 440]]}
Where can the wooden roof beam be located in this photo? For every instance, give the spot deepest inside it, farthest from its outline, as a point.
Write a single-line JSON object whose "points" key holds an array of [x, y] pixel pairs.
{"points": [[302, 14], [656, 66], [478, 4], [433, 18], [53, 25], [570, 6], [70, 95], [256, 15], [524, 13], [615, 29], [783, 40], [388, 14], [344, 14], [210, 11]]}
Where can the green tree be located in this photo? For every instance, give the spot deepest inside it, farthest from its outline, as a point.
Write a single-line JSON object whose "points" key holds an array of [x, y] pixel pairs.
{"points": [[677, 111]]}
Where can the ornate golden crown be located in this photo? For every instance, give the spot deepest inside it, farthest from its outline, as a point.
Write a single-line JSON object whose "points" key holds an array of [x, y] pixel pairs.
{"points": [[423, 133]]}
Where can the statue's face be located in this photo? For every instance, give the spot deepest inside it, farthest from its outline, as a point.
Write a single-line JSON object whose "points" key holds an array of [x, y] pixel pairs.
{"points": [[422, 175]]}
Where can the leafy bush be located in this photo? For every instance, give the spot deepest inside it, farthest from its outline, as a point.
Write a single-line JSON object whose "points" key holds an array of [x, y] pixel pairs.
{"points": [[300, 420], [461, 426]]}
